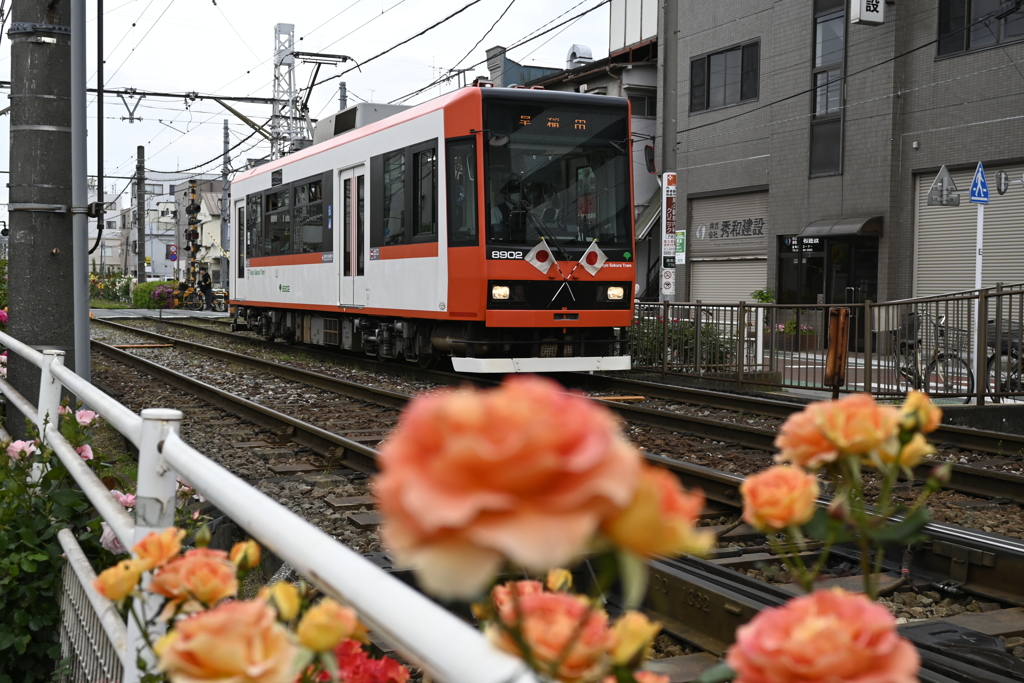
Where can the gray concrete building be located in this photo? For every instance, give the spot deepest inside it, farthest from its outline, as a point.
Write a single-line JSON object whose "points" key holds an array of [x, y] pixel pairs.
{"points": [[806, 144]]}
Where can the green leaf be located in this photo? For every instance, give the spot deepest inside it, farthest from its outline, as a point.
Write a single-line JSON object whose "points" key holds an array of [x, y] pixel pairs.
{"points": [[28, 565], [904, 531], [6, 640], [717, 674], [66, 496], [821, 525], [633, 574]]}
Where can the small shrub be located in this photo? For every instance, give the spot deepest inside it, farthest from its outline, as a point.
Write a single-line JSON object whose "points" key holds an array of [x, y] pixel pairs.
{"points": [[142, 295]]}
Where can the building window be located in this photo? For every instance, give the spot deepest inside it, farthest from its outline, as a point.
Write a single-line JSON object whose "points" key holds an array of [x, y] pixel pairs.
{"points": [[827, 122], [645, 105], [724, 78], [971, 25]]}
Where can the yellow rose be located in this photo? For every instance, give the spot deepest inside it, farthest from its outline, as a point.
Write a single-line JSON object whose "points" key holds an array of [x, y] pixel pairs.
{"points": [[633, 636], [115, 583], [161, 645], [285, 597], [559, 580], [918, 413], [327, 624], [915, 450], [246, 555]]}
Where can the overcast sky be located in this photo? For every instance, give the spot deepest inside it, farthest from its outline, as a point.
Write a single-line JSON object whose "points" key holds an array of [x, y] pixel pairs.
{"points": [[226, 47]]}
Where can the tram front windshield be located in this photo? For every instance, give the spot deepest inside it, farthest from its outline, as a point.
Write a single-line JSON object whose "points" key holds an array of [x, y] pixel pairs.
{"points": [[557, 172]]}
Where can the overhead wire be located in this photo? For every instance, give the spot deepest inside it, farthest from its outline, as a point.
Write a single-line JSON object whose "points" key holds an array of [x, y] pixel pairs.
{"points": [[399, 44], [484, 36], [145, 35], [518, 43]]}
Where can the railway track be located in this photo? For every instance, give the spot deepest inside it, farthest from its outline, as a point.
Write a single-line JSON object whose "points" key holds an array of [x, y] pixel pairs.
{"points": [[966, 479], [709, 593]]}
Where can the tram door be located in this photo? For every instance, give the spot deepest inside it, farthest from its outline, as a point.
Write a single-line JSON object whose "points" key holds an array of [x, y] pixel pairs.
{"points": [[353, 236]]}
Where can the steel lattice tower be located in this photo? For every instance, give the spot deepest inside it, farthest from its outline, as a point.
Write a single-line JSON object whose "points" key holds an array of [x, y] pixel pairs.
{"points": [[287, 122]]}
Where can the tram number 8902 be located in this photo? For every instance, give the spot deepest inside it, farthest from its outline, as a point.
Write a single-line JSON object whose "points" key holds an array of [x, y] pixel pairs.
{"points": [[498, 254]]}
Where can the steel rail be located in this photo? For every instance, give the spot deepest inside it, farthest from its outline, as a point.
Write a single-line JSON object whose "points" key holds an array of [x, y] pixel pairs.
{"points": [[965, 479]]}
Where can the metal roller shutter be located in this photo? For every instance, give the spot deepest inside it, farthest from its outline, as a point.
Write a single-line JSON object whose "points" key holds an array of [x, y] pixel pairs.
{"points": [[733, 225], [726, 281], [945, 236]]}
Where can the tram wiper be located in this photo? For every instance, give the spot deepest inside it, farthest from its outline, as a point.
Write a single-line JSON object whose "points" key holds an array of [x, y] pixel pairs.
{"points": [[543, 231]]}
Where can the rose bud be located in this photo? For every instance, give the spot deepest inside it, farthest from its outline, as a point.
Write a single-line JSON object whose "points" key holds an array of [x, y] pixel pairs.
{"points": [[559, 580], [246, 555], [941, 474], [203, 536]]}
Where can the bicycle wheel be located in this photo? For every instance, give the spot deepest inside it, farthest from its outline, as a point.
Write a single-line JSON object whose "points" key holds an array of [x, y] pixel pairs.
{"points": [[949, 375], [1010, 380], [906, 377], [194, 302]]}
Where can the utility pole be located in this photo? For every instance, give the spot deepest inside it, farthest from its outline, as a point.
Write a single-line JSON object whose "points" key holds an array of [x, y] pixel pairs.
{"points": [[140, 203], [225, 215], [669, 50], [80, 190], [41, 281], [100, 203]]}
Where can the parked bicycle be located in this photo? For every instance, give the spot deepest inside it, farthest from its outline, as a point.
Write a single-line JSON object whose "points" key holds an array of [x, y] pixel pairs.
{"points": [[929, 357], [1004, 362]]}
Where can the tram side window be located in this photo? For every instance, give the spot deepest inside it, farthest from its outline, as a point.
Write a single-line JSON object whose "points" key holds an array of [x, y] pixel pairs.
{"points": [[425, 194], [240, 241], [254, 227], [462, 213], [309, 217], [278, 225], [394, 197]]}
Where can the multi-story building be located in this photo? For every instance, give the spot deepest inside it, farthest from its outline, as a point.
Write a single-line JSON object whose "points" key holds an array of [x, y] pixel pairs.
{"points": [[805, 145]]}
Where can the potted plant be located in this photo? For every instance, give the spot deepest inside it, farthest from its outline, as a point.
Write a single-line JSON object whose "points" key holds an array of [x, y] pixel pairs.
{"points": [[790, 339]]}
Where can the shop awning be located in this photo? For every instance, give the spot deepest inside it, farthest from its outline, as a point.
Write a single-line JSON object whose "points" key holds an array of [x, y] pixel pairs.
{"points": [[650, 216], [834, 227]]}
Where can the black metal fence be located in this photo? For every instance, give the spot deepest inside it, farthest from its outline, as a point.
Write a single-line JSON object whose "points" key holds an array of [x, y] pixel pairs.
{"points": [[933, 344]]}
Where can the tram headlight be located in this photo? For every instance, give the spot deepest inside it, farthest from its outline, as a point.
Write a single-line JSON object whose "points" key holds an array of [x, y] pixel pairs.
{"points": [[615, 293], [499, 292]]}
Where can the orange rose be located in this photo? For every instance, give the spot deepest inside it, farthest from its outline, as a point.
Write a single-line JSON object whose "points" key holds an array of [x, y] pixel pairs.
{"points": [[246, 555], [779, 497], [857, 425], [504, 601], [326, 624], [550, 622], [207, 576], [801, 442], [158, 548], [237, 641], [829, 635], [525, 472], [919, 413], [115, 583], [660, 519], [642, 677], [633, 635]]}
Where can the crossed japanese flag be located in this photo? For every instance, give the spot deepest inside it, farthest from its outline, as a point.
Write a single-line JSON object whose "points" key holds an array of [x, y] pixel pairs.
{"points": [[542, 258]]}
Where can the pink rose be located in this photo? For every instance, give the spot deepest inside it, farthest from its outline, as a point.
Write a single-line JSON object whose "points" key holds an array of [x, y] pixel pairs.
{"points": [[125, 499], [64, 410], [85, 452], [85, 417], [526, 472], [110, 541], [19, 448], [3, 316], [829, 635]]}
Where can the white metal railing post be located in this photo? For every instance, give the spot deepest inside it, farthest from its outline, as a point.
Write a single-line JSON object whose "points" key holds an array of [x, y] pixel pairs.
{"points": [[154, 511], [49, 389]]}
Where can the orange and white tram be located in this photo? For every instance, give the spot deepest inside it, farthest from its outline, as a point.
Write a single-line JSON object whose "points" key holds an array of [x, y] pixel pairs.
{"points": [[491, 225]]}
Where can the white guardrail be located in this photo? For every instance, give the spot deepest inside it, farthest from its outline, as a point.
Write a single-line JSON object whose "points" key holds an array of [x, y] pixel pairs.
{"points": [[425, 633]]}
